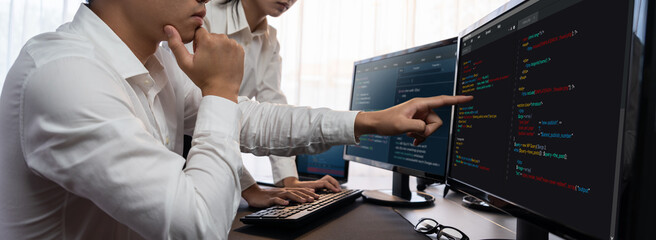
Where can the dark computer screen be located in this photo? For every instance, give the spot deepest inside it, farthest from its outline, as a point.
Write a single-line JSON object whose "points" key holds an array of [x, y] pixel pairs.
{"points": [[544, 130], [384, 81], [330, 162]]}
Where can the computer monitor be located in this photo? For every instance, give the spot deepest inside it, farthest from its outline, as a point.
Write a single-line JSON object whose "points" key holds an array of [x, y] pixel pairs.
{"points": [[309, 167], [384, 81], [316, 166], [552, 125]]}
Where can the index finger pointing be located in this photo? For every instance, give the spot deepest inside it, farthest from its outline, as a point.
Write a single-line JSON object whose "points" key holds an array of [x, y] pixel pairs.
{"points": [[439, 101]]}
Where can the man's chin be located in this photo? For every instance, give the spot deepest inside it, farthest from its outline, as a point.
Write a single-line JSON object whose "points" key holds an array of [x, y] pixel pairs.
{"points": [[187, 38]]}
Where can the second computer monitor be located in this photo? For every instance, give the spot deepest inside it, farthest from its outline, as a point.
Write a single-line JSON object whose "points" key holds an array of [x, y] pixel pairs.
{"points": [[384, 81], [315, 166]]}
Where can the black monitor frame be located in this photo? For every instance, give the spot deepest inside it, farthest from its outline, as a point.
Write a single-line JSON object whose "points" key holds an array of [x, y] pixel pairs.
{"points": [[401, 174], [638, 209], [530, 222]]}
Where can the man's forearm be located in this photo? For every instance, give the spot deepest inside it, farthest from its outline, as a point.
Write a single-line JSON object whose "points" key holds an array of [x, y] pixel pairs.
{"points": [[283, 130]]}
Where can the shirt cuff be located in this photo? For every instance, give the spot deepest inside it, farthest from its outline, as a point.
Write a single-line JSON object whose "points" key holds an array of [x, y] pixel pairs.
{"points": [[282, 167], [219, 115], [246, 179], [339, 127]]}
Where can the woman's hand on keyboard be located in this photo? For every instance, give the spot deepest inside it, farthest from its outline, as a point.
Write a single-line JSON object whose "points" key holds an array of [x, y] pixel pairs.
{"points": [[326, 182], [261, 198]]}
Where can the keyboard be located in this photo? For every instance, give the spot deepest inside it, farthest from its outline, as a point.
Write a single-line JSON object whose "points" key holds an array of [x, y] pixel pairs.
{"points": [[296, 214]]}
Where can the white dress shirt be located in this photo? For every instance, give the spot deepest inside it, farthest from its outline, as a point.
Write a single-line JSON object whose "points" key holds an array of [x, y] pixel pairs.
{"points": [[92, 141], [262, 68]]}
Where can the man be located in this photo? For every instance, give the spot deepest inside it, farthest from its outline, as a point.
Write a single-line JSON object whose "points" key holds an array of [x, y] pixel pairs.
{"points": [[93, 118]]}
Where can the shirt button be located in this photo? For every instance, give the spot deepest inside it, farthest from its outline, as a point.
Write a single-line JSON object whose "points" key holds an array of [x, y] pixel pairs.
{"points": [[167, 140], [147, 82]]}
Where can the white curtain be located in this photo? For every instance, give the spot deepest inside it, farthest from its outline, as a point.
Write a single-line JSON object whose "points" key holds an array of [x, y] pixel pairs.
{"points": [[21, 20], [320, 40]]}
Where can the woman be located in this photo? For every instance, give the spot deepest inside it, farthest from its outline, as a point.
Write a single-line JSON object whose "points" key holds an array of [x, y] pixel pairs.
{"points": [[245, 21]]}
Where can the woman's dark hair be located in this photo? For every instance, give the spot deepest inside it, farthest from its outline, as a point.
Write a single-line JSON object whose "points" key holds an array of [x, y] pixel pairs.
{"points": [[89, 2], [235, 2]]}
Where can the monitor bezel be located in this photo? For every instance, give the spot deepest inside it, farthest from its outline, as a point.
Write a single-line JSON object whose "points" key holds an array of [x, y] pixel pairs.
{"points": [[508, 206], [642, 193], [389, 166]]}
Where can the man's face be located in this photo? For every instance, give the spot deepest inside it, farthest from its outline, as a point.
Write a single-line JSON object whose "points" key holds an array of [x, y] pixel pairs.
{"points": [[152, 15]]}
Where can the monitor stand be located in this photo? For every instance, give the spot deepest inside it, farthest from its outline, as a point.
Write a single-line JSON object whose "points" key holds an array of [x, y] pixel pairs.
{"points": [[526, 231], [400, 195]]}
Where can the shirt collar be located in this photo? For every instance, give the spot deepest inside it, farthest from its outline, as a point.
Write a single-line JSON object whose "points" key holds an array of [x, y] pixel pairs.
{"points": [[108, 44], [241, 24]]}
